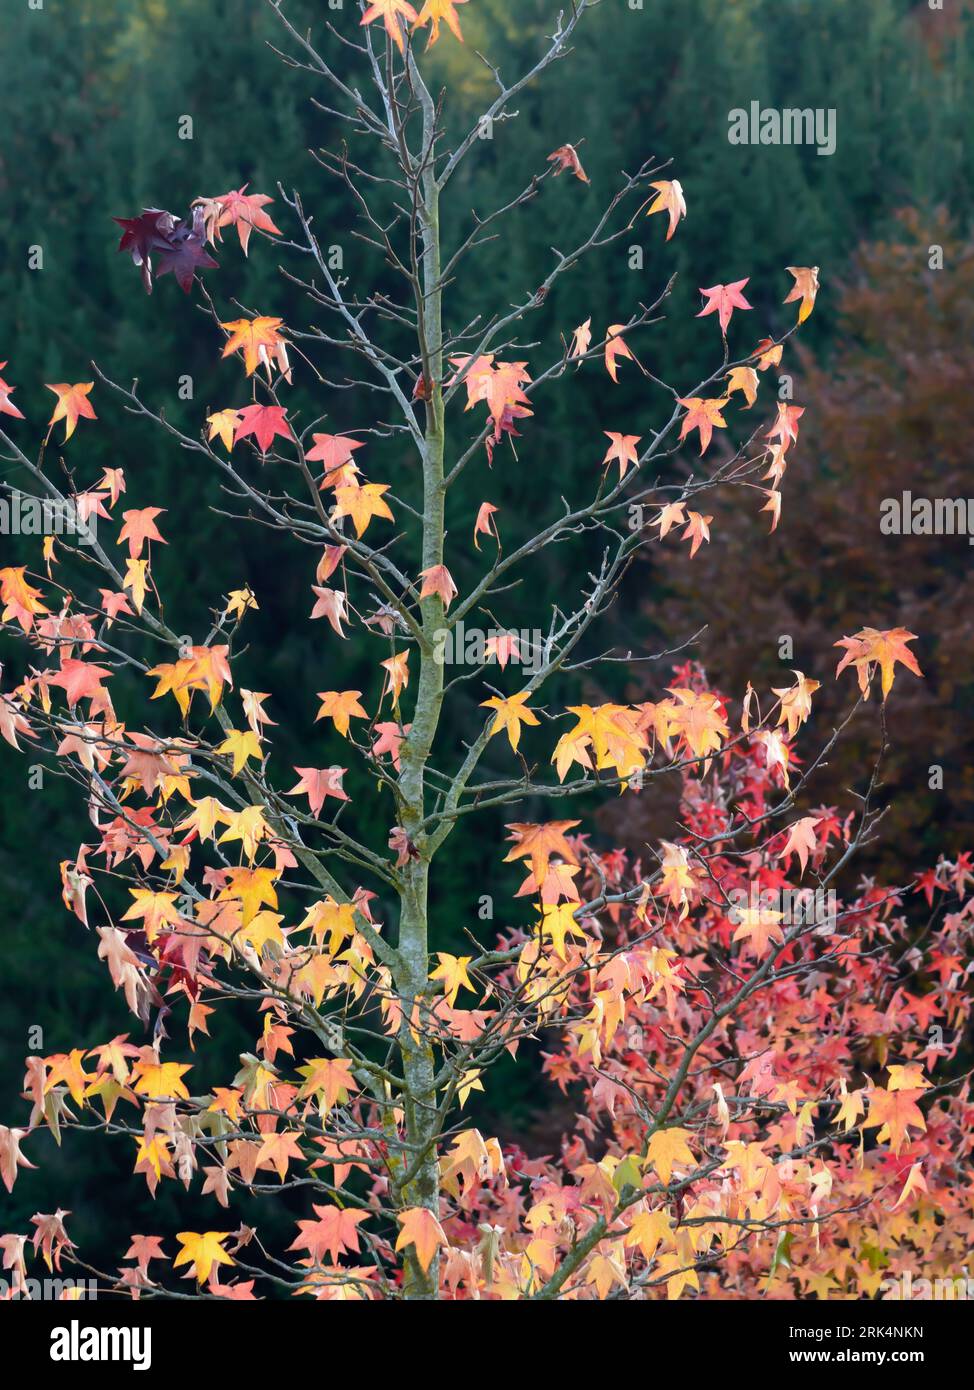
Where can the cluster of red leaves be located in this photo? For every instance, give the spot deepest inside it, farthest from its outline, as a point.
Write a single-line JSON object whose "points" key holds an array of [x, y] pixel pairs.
{"points": [[817, 1146]]}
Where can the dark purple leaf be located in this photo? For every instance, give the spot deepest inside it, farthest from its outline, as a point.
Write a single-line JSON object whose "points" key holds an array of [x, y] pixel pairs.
{"points": [[158, 243], [144, 236], [185, 252]]}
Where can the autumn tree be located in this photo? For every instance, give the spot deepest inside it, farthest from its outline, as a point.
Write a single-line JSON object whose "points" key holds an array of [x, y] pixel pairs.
{"points": [[216, 878]]}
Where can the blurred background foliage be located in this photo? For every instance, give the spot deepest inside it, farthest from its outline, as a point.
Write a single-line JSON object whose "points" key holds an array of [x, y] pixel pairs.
{"points": [[94, 92]]}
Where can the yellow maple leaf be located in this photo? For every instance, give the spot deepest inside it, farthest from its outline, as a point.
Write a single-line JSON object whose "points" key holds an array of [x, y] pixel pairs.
{"points": [[452, 970], [331, 918], [135, 579], [249, 827], [745, 380], [223, 424], [162, 1080], [262, 928], [558, 921], [361, 504], [252, 887], [238, 601], [666, 1147], [649, 1230], [202, 1252], [469, 1081], [397, 675], [612, 733], [155, 1152], [206, 814], [681, 1274], [340, 706], [156, 910], [607, 1270], [511, 714], [434, 12], [242, 745]]}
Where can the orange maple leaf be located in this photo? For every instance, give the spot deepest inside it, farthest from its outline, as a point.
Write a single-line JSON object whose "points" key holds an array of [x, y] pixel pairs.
{"points": [[870, 648], [330, 1079], [758, 926], [340, 706], [260, 342], [434, 12], [805, 288], [621, 450], [6, 405], [397, 675], [801, 841], [140, 527], [702, 415], [394, 14], [785, 426], [697, 530], [335, 1231], [538, 843], [485, 524], [615, 346], [72, 403], [669, 198], [437, 580], [893, 1112], [566, 157], [156, 911], [318, 783], [423, 1232]]}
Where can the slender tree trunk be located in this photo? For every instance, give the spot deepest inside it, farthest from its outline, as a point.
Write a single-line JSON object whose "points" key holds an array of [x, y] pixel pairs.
{"points": [[423, 1189]]}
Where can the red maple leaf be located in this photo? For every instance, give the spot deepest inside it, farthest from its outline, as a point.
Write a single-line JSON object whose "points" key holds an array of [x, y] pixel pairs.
{"points": [[722, 300], [6, 407], [263, 422]]}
